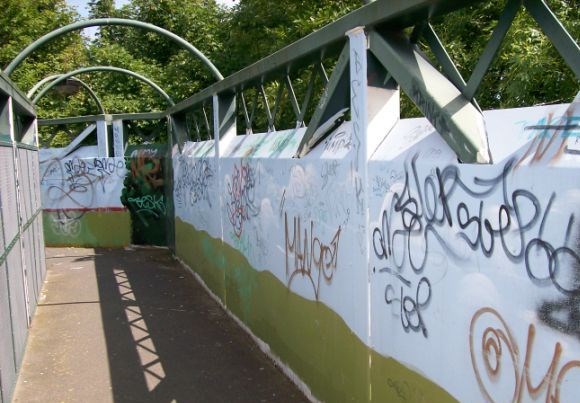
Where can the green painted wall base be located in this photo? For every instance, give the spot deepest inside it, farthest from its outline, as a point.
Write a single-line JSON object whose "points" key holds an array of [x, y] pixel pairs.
{"points": [[309, 337], [103, 228]]}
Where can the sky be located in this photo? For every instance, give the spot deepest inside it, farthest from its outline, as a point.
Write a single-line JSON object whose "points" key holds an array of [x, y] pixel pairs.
{"points": [[82, 5]]}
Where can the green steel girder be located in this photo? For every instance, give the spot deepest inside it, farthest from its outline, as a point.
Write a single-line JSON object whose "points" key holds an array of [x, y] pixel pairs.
{"points": [[78, 80], [108, 118], [335, 98], [492, 48], [140, 77], [458, 121], [110, 21], [560, 38], [390, 14], [20, 101]]}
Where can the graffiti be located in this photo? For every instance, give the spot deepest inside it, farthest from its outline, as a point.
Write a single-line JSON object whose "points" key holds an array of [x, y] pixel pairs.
{"points": [[497, 349], [431, 110], [410, 306], [66, 223], [152, 204], [356, 87], [562, 315], [339, 141], [300, 183], [310, 253], [417, 213], [194, 182], [328, 170], [405, 391], [146, 169], [427, 209], [546, 133], [382, 184], [241, 191], [357, 182], [101, 167], [78, 181], [144, 196]]}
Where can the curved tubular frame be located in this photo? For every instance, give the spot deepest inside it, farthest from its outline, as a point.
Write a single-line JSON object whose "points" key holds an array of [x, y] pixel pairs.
{"points": [[63, 77], [110, 21], [81, 82]]}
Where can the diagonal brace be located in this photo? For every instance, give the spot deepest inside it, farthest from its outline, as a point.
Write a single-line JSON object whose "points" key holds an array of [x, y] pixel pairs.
{"points": [[457, 120], [333, 102]]}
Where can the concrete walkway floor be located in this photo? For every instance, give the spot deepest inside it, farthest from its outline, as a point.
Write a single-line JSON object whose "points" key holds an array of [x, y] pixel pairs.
{"points": [[133, 325]]}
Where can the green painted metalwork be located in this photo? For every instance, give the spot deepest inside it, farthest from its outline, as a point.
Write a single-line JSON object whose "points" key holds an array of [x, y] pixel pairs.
{"points": [[21, 103], [561, 39], [334, 99], [110, 21], [78, 80], [327, 41], [70, 120], [458, 121], [108, 118], [383, 16], [492, 48], [443, 57], [103, 68]]}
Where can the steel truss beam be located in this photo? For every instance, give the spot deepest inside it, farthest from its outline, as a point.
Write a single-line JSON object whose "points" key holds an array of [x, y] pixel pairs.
{"points": [[447, 100]]}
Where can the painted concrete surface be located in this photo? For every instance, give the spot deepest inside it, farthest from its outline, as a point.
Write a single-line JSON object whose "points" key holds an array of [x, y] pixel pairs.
{"points": [[365, 270], [134, 326], [94, 201]]}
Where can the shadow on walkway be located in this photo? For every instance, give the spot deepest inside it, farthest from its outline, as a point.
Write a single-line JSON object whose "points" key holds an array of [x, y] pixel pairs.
{"points": [[134, 326]]}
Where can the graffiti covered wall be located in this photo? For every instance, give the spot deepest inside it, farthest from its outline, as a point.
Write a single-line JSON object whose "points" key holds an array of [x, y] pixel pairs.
{"points": [[104, 201], [81, 199], [417, 278], [144, 194]]}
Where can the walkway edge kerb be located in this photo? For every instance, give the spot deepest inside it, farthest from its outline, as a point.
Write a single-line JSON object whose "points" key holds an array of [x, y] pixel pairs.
{"points": [[110, 21], [264, 347]]}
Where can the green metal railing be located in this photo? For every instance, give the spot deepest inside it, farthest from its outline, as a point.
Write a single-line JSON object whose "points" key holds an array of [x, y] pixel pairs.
{"points": [[393, 28]]}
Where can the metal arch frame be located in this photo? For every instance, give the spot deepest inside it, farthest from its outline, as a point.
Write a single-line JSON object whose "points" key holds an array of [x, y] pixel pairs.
{"points": [[81, 82], [111, 21], [138, 76]]}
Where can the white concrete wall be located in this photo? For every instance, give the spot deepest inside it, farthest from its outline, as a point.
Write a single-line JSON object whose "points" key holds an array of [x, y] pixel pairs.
{"points": [[453, 259]]}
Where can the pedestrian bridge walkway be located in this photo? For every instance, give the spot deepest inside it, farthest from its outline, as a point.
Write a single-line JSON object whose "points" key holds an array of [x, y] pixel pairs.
{"points": [[366, 249], [133, 325]]}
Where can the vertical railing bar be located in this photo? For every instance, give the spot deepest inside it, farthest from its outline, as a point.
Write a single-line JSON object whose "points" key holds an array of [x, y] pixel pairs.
{"points": [[292, 96], [254, 106], [207, 126], [278, 101], [267, 108], [307, 97], [323, 73], [246, 115], [197, 128]]}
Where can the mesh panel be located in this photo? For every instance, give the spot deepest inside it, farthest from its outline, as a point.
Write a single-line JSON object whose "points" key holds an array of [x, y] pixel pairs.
{"points": [[24, 179], [8, 372], [36, 180], [8, 196], [17, 301], [2, 244]]}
